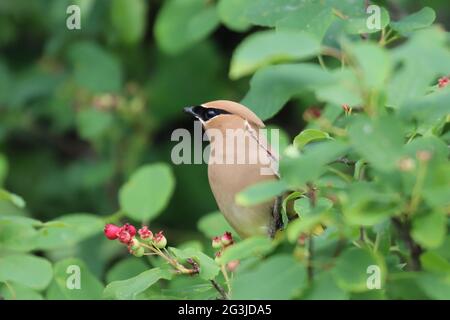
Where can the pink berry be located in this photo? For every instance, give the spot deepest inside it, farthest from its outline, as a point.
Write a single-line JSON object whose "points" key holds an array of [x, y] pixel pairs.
{"points": [[227, 238], [111, 231], [129, 228], [145, 233], [124, 236]]}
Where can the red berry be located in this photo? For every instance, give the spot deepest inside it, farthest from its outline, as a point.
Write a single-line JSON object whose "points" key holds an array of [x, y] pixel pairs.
{"points": [[111, 231], [129, 228], [443, 82], [124, 236]]}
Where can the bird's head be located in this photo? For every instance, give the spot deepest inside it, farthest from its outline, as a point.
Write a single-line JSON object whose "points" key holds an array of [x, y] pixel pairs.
{"points": [[222, 113]]}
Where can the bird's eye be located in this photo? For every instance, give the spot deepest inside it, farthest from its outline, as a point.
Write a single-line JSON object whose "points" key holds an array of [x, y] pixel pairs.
{"points": [[209, 114]]}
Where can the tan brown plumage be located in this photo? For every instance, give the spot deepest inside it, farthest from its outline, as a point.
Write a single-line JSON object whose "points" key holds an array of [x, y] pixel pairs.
{"points": [[228, 179]]}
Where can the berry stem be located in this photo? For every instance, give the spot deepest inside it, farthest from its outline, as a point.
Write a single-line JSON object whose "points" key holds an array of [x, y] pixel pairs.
{"points": [[227, 279]]}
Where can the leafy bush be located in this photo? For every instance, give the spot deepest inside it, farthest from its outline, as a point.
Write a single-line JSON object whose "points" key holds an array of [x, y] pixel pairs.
{"points": [[83, 125]]}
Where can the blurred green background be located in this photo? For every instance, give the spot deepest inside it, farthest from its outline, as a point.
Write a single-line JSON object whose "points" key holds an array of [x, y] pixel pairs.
{"points": [[80, 110]]}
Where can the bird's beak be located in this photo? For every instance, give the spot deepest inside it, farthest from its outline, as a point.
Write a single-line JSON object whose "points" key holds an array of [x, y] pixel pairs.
{"points": [[190, 110]]}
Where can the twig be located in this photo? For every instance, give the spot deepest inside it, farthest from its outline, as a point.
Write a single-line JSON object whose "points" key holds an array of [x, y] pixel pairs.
{"points": [[321, 62], [415, 250], [219, 289], [345, 161], [332, 52], [310, 258], [312, 200]]}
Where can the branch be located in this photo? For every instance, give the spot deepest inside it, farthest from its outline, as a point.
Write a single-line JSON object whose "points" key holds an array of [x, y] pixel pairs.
{"points": [[415, 250], [219, 289], [312, 199], [345, 161]]}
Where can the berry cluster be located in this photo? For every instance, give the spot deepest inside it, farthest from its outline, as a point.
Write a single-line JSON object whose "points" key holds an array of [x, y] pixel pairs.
{"points": [[126, 234], [222, 243]]}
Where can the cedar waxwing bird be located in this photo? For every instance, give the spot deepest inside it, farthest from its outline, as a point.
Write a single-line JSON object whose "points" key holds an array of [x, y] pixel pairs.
{"points": [[239, 157]]}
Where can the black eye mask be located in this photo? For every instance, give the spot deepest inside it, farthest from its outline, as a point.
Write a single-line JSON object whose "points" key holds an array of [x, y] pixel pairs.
{"points": [[203, 113]]}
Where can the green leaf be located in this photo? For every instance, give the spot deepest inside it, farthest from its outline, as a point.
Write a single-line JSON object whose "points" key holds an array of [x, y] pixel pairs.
{"points": [[427, 109], [130, 288], [70, 230], [309, 218], [344, 89], [351, 271], [419, 20], [433, 262], [435, 286], [273, 86], [403, 286], [214, 224], [373, 63], [308, 135], [277, 278], [147, 192], [95, 68], [365, 204], [93, 123], [324, 288], [306, 167], [13, 198], [182, 23], [268, 47], [201, 291], [14, 291], [314, 18], [233, 14], [33, 272], [304, 208], [284, 212], [379, 141], [266, 13], [426, 50], [208, 267], [254, 246], [18, 233], [429, 229], [405, 86], [128, 18], [261, 192], [125, 269], [67, 273]]}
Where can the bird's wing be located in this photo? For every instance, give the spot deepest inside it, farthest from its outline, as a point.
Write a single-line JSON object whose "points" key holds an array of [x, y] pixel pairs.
{"points": [[261, 139]]}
